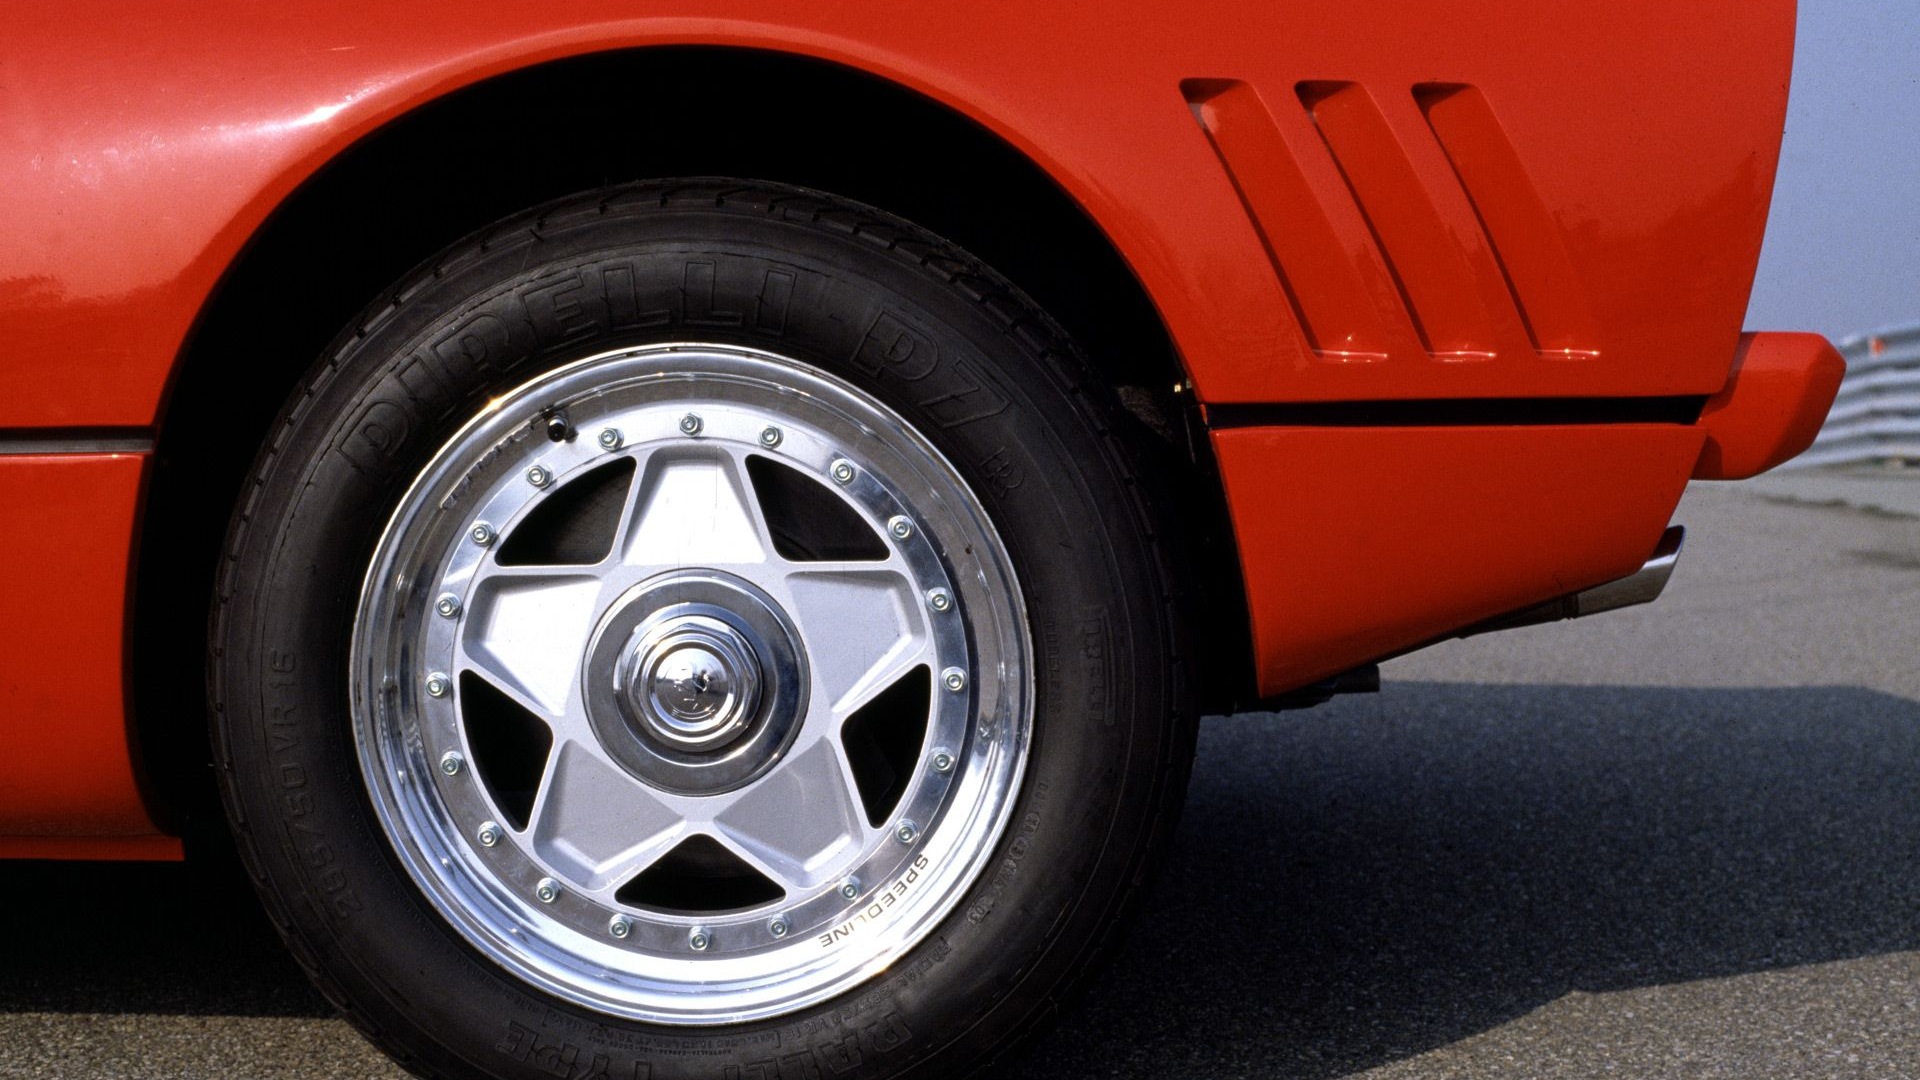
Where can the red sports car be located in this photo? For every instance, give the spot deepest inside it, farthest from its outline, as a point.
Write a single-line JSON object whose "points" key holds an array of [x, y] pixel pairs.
{"points": [[690, 539]]}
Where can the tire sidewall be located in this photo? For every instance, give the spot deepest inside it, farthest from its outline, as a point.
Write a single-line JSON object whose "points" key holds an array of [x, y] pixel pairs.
{"points": [[996, 391]]}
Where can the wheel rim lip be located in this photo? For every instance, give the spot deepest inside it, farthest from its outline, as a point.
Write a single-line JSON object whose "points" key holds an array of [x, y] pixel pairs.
{"points": [[985, 781]]}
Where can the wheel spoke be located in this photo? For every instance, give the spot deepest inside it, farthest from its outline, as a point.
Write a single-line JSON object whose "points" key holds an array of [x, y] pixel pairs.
{"points": [[630, 507], [891, 568], [595, 823], [693, 506], [527, 631], [870, 622], [802, 821]]}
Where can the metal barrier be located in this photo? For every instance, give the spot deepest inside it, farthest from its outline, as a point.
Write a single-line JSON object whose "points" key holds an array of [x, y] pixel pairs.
{"points": [[1876, 417]]}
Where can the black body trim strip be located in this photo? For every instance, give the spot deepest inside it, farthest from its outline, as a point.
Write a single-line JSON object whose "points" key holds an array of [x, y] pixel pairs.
{"points": [[75, 441], [1461, 412]]}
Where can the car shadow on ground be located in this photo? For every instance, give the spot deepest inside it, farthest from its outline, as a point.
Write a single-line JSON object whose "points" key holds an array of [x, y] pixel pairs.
{"points": [[1350, 885], [1386, 875]]}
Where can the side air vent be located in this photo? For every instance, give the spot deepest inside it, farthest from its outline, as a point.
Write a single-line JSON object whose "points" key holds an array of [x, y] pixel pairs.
{"points": [[1398, 225]]}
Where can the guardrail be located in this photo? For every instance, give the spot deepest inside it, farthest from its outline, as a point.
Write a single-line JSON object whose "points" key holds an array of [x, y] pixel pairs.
{"points": [[1876, 416]]}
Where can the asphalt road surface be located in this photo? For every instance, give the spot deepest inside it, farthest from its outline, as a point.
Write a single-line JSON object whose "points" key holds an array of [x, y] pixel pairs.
{"points": [[1682, 841]]}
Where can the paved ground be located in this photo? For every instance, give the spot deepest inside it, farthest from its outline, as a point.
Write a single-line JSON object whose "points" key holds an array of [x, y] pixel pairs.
{"points": [[1677, 842], [1892, 489]]}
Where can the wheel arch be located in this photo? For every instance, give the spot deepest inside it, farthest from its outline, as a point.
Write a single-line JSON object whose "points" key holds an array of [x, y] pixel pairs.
{"points": [[426, 178]]}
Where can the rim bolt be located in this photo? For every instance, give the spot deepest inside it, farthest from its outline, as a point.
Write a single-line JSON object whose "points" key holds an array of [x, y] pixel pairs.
{"points": [[482, 533], [939, 599], [905, 831], [451, 762], [842, 471], [619, 926], [538, 476], [610, 438], [448, 605], [690, 424], [489, 834], [942, 761], [900, 527], [438, 685], [954, 679], [770, 437], [850, 888], [546, 890], [778, 926], [698, 939]]}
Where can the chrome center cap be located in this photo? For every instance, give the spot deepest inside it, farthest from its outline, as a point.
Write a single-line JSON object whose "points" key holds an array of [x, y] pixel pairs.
{"points": [[691, 680], [691, 685], [694, 681]]}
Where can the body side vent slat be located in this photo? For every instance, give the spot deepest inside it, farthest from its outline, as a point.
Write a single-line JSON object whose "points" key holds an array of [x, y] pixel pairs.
{"points": [[1334, 278], [1435, 282], [1525, 238]]}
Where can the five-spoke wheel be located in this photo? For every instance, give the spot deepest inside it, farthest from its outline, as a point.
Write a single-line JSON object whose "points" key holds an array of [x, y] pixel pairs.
{"points": [[680, 661]]}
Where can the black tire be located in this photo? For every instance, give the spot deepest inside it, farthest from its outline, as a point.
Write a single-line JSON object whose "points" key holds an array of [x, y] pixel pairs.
{"points": [[991, 380]]}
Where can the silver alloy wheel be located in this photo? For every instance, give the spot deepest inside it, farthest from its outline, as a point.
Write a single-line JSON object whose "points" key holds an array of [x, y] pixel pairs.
{"points": [[694, 685]]}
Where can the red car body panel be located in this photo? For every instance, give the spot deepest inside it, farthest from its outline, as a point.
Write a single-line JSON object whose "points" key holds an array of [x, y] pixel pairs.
{"points": [[1773, 405], [63, 713], [1319, 577], [150, 141], [1362, 201]]}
